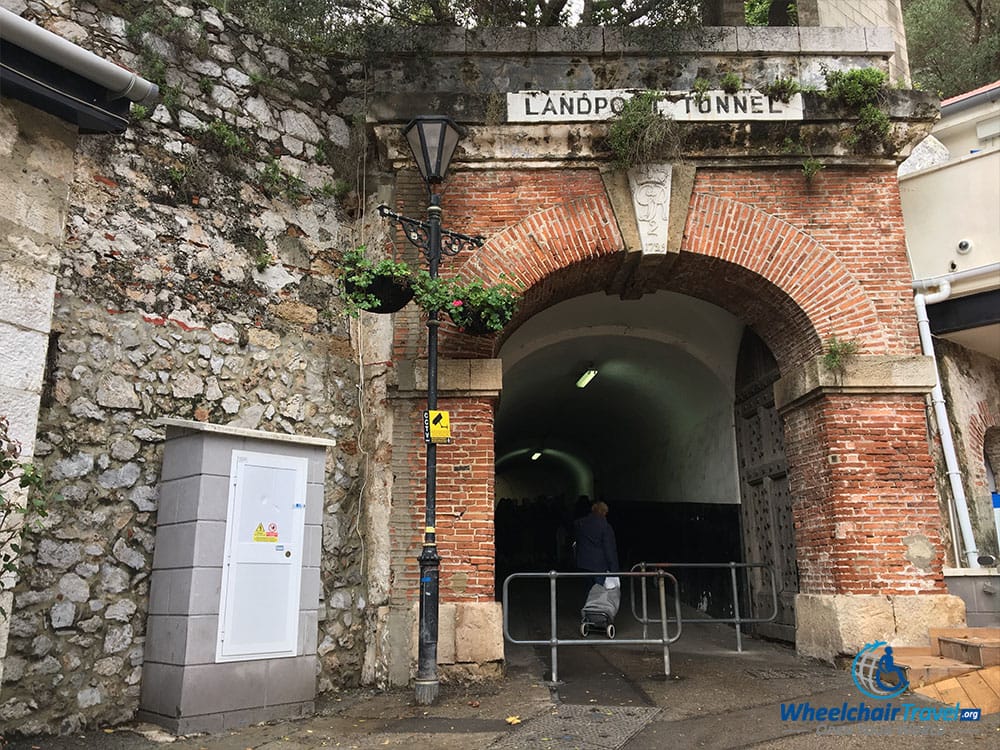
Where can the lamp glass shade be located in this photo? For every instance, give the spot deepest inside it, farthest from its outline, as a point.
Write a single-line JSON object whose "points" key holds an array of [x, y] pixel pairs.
{"points": [[433, 140]]}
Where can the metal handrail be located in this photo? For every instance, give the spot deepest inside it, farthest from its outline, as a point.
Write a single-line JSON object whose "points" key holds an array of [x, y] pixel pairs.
{"points": [[736, 619], [554, 641]]}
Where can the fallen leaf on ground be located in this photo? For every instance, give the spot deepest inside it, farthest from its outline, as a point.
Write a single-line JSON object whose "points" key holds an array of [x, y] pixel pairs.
{"points": [[474, 704], [513, 719]]}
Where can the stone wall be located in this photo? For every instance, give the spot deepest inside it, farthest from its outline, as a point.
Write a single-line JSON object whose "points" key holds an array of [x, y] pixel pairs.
{"points": [[36, 166], [971, 383], [195, 282]]}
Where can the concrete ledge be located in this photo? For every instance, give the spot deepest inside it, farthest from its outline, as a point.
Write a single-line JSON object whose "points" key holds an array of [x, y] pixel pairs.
{"points": [[831, 625], [860, 374], [455, 377]]}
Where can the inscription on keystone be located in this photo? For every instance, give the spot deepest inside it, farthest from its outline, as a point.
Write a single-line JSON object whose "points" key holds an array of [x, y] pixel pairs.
{"points": [[651, 199], [603, 104]]}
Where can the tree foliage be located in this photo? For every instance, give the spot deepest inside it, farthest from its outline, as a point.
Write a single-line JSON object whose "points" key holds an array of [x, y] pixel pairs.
{"points": [[954, 45]]}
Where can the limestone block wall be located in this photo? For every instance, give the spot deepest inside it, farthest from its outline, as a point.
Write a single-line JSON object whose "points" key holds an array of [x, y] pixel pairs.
{"points": [[195, 282], [884, 13], [36, 167], [971, 383]]}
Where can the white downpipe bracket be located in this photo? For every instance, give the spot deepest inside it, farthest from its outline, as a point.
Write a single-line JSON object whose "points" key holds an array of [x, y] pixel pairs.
{"points": [[52, 47], [921, 298]]}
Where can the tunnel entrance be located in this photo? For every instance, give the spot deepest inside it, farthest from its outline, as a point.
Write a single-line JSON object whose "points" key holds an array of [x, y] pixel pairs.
{"points": [[654, 433]]}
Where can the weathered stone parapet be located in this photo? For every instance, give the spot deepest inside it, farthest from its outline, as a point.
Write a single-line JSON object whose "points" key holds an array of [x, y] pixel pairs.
{"points": [[821, 134], [831, 625], [859, 374], [596, 40]]}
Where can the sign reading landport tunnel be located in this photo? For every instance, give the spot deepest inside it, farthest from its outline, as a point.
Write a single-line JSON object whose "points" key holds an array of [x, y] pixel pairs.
{"points": [[603, 104]]}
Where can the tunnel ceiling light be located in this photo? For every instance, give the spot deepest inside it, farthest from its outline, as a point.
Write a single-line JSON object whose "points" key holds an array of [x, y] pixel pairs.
{"points": [[536, 455], [584, 380]]}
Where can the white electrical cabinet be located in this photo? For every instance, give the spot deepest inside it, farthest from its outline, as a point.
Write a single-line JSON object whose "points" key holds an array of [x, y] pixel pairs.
{"points": [[262, 564]]}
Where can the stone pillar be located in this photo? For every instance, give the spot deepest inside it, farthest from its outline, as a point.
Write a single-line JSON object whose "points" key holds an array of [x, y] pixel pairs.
{"points": [[723, 13], [866, 512], [35, 173], [862, 13], [470, 637]]}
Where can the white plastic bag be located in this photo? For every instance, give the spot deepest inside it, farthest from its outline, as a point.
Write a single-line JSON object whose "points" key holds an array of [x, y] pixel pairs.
{"points": [[612, 582]]}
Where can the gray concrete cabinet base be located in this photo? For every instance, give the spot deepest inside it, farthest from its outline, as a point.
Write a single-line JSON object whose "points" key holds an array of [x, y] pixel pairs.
{"points": [[216, 697], [184, 689]]}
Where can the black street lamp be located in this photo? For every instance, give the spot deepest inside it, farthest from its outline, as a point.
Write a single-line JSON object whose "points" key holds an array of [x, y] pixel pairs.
{"points": [[433, 140]]}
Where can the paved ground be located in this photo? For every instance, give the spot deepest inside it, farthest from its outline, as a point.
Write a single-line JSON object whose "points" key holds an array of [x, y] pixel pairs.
{"points": [[608, 698]]}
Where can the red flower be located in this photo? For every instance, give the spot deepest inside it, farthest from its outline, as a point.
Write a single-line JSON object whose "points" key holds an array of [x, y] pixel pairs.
{"points": [[456, 303]]}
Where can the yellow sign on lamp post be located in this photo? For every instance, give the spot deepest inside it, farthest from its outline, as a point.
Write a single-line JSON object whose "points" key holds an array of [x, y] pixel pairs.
{"points": [[437, 427]]}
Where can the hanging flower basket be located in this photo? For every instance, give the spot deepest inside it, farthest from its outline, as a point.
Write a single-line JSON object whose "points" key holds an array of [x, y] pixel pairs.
{"points": [[383, 286], [481, 310], [384, 294]]}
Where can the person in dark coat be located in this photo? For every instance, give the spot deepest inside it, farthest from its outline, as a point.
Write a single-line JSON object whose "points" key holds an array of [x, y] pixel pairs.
{"points": [[596, 550]]}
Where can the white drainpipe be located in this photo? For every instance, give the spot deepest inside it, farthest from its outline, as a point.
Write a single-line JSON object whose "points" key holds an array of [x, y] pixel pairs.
{"points": [[52, 47], [921, 298]]}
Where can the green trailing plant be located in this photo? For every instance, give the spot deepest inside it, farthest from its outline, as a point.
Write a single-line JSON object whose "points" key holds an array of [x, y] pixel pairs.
{"points": [[482, 308], [224, 138], [731, 83], [259, 81], [782, 89], [361, 278], [838, 353], [338, 189], [855, 88], [639, 133], [205, 85], [19, 510], [177, 175], [323, 152], [140, 112], [433, 294], [262, 261], [700, 89], [864, 91], [812, 167], [872, 133], [274, 181]]}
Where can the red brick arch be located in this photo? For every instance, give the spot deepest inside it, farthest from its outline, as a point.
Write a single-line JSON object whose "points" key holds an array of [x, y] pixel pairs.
{"points": [[575, 247], [813, 276]]}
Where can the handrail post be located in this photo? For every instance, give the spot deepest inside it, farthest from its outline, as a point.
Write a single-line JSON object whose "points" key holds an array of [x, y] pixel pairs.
{"points": [[663, 622], [645, 612], [552, 621], [736, 607]]}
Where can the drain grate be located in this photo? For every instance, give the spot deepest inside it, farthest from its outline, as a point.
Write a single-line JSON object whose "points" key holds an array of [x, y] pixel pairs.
{"points": [[580, 728]]}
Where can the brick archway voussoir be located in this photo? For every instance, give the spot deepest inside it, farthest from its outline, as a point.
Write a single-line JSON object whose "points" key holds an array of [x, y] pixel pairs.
{"points": [[813, 276], [548, 241]]}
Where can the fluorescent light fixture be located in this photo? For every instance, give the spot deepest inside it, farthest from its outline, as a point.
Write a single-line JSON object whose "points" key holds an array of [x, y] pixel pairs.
{"points": [[536, 455], [584, 380]]}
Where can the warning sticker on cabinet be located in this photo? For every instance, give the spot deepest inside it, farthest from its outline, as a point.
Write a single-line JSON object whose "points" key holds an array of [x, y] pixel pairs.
{"points": [[270, 534]]}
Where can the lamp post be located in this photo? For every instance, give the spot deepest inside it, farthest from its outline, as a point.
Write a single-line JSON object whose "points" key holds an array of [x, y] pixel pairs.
{"points": [[433, 140]]}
